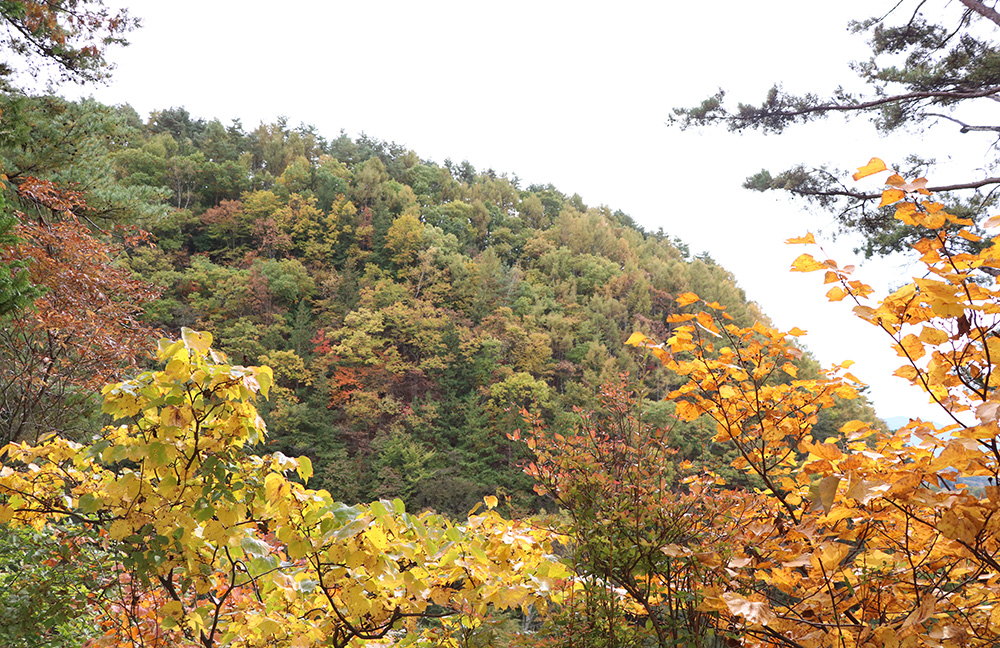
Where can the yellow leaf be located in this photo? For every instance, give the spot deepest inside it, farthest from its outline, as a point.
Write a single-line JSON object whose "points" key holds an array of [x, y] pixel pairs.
{"points": [[687, 298], [808, 238], [824, 491], [119, 529], [954, 455], [675, 551], [830, 555], [890, 196], [911, 347], [836, 294], [686, 411], [305, 468], [755, 612], [636, 339], [931, 221], [922, 613], [265, 378], [491, 501], [864, 312], [195, 340], [933, 336], [806, 263], [874, 166], [864, 490], [828, 451], [273, 485], [172, 609]]}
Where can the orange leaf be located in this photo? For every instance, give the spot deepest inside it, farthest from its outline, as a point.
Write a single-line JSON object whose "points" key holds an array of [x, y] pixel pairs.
{"points": [[687, 298], [864, 312], [836, 294], [874, 166], [890, 196]]}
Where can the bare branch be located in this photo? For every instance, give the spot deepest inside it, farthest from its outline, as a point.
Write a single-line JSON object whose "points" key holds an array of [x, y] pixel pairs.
{"points": [[966, 127]]}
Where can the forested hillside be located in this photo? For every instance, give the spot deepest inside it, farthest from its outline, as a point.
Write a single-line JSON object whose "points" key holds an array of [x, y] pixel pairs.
{"points": [[263, 387], [409, 310]]}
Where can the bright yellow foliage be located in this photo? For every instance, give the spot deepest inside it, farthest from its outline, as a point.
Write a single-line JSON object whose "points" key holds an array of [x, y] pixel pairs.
{"points": [[219, 547], [869, 540]]}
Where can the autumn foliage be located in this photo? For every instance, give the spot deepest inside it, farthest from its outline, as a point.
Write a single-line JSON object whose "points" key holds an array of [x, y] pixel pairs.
{"points": [[215, 546], [872, 539], [84, 329], [868, 539]]}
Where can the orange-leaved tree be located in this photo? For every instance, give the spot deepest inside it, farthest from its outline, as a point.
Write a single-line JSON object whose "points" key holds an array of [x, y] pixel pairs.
{"points": [[215, 546], [873, 539], [642, 546], [82, 331]]}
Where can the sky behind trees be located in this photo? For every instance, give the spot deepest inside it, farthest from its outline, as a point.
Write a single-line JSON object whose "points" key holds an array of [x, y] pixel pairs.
{"points": [[576, 94]]}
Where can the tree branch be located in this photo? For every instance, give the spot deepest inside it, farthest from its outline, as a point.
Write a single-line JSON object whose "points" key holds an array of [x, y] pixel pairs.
{"points": [[986, 12], [991, 91], [966, 127], [846, 193]]}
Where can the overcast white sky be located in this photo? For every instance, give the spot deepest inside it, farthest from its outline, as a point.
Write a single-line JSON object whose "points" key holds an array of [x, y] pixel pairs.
{"points": [[572, 93]]}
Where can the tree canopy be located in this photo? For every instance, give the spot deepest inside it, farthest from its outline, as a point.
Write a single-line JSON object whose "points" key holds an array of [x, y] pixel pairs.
{"points": [[932, 65]]}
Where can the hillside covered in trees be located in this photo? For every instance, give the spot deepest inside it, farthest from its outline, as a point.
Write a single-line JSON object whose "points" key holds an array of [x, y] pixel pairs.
{"points": [[409, 310], [269, 389]]}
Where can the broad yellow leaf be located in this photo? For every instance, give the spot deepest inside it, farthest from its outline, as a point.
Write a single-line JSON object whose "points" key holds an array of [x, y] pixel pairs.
{"points": [[491, 501]]}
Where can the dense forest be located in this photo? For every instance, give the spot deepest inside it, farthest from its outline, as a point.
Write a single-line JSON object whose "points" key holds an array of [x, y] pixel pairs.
{"points": [[409, 310], [267, 387]]}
